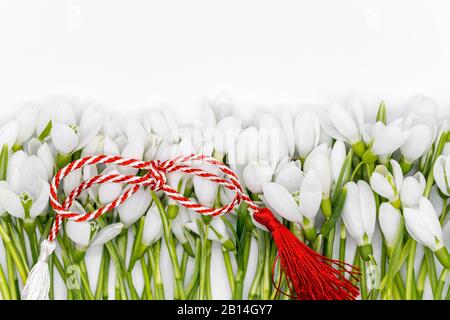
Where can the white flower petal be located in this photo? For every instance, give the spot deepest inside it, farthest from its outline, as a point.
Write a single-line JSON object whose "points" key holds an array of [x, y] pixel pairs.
{"points": [[79, 232], [107, 234], [11, 203], [64, 138], [281, 201]]}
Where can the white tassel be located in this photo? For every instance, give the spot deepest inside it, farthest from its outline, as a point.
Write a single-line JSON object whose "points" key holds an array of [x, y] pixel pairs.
{"points": [[38, 282]]}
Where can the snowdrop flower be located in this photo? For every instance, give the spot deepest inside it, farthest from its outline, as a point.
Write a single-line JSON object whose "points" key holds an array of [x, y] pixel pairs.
{"points": [[205, 190], [26, 119], [225, 135], [289, 131], [423, 132], [272, 143], [423, 225], [152, 226], [219, 107], [412, 189], [217, 232], [390, 221], [384, 140], [337, 159], [34, 147], [135, 207], [68, 137], [85, 234], [162, 123], [299, 206], [386, 184], [8, 134], [441, 172], [359, 215], [178, 229], [346, 123], [27, 193], [108, 192], [113, 125], [307, 132], [320, 160], [422, 106], [256, 174]]}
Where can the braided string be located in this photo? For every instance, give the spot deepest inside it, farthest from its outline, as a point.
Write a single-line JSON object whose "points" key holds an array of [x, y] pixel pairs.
{"points": [[155, 179]]}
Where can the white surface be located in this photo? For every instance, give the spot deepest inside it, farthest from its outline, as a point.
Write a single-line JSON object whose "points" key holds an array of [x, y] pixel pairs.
{"points": [[133, 54], [136, 53]]}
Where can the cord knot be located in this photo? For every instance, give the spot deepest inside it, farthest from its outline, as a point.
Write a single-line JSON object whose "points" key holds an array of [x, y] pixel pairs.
{"points": [[156, 177]]}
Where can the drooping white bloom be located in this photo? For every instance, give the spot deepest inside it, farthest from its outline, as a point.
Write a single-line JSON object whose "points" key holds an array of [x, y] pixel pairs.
{"points": [[272, 143], [412, 189], [319, 160], [9, 133], [205, 190], [135, 207], [84, 234], [337, 159], [289, 131], [422, 106], [27, 193], [423, 131], [163, 124], [27, 124], [385, 139], [152, 226], [386, 184], [68, 137], [359, 212], [390, 219], [307, 132], [299, 204], [217, 233], [108, 192], [345, 123], [423, 225], [256, 174], [441, 172]]}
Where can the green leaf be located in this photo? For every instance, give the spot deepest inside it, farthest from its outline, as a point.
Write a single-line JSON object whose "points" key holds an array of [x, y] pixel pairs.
{"points": [[381, 114], [342, 179], [45, 133], [4, 162]]}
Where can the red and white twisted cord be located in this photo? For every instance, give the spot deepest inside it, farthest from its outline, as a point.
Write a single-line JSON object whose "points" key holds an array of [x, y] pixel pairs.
{"points": [[155, 179]]}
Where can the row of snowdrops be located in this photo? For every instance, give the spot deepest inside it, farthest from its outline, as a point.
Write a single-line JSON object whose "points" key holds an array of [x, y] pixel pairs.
{"points": [[371, 193]]}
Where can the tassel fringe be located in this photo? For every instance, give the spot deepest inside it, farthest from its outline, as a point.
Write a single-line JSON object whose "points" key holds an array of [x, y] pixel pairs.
{"points": [[38, 282]]}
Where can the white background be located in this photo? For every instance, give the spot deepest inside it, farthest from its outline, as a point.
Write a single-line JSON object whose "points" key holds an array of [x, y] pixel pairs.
{"points": [[136, 54]]}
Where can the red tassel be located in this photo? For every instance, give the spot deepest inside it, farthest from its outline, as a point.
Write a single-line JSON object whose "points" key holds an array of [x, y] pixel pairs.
{"points": [[310, 275]]}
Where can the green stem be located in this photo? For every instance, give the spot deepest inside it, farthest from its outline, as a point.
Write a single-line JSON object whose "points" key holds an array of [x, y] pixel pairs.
{"points": [[147, 285], [267, 283], [85, 280], [169, 240], [421, 278], [441, 284], [4, 286], [153, 261], [195, 274], [431, 268], [101, 276], [410, 277], [228, 267], [15, 255]]}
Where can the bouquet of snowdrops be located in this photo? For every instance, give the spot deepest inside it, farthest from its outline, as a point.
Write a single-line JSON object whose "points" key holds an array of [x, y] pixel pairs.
{"points": [[371, 194]]}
